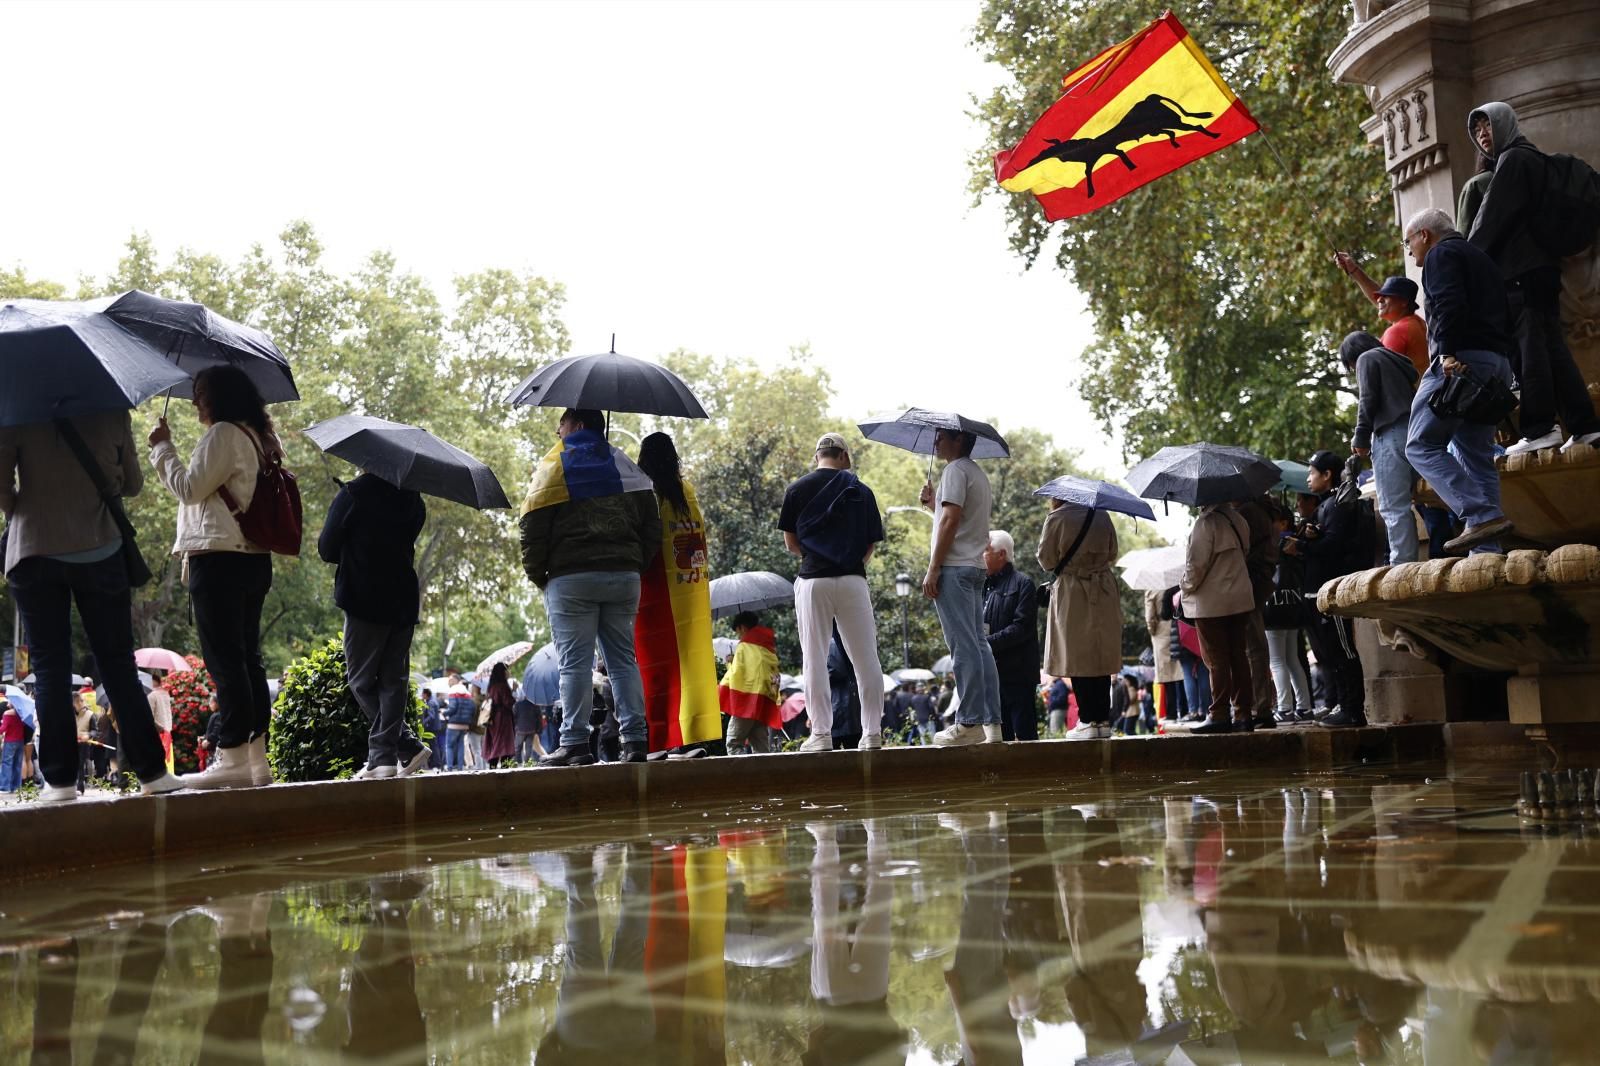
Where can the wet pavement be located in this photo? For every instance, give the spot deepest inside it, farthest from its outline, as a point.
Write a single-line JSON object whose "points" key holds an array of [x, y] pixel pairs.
{"points": [[1225, 917]]}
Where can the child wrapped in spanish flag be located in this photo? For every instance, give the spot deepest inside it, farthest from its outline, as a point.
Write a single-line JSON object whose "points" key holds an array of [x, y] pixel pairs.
{"points": [[749, 689]]}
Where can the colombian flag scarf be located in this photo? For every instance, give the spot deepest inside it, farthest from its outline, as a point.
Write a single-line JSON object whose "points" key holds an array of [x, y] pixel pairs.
{"points": [[750, 687], [672, 634], [583, 466]]}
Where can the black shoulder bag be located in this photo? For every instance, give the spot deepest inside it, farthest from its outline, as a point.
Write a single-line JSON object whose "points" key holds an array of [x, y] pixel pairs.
{"points": [[1072, 549], [1481, 401], [138, 573]]}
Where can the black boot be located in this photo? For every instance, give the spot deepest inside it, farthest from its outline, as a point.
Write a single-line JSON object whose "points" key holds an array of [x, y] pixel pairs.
{"points": [[1343, 719], [634, 750], [1214, 725], [567, 757]]}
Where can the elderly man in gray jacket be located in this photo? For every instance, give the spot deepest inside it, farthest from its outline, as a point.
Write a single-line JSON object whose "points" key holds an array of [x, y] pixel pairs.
{"points": [[1387, 382]]}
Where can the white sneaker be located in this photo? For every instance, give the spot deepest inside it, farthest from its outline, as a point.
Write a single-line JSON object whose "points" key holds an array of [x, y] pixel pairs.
{"points": [[993, 734], [260, 769], [958, 735], [58, 793], [817, 742], [228, 768], [870, 742], [1592, 439], [161, 785], [376, 773], [417, 762], [1087, 731], [1537, 444]]}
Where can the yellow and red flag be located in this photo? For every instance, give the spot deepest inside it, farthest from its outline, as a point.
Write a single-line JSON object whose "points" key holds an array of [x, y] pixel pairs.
{"points": [[1135, 112]]}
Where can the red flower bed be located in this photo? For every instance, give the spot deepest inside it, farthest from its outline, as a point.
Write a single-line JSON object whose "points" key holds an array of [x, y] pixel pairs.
{"points": [[191, 707]]}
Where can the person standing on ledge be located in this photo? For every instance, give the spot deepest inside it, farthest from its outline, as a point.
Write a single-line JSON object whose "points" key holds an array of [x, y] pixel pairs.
{"points": [[954, 583], [1396, 298], [589, 528], [1011, 623], [830, 520], [1083, 632]]}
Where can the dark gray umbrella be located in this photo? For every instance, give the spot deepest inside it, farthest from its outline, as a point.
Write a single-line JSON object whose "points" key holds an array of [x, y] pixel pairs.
{"points": [[59, 358], [409, 458], [1203, 473], [914, 431], [608, 382], [755, 590], [195, 337], [1096, 495]]}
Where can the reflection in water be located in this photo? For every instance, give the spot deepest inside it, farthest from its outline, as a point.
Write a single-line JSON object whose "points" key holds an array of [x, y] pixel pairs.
{"points": [[1362, 921]]}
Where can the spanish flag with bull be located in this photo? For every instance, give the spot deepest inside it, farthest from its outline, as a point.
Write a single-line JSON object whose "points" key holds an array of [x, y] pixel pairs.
{"points": [[1135, 112]]}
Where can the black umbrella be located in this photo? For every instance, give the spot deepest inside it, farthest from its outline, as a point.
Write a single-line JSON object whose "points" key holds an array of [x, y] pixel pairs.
{"points": [[195, 337], [1203, 473], [608, 382], [409, 458], [1095, 495], [59, 359], [914, 431], [756, 590]]}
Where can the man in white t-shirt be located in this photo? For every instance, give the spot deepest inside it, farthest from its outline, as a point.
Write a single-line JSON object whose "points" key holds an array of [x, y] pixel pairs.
{"points": [[954, 583]]}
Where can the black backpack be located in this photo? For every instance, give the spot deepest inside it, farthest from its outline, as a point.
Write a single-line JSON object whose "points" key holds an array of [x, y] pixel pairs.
{"points": [[1567, 219]]}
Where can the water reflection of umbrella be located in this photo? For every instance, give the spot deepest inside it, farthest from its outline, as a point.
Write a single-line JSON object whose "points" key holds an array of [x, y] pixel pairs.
{"points": [[1097, 495], [1153, 568], [409, 457], [1203, 473], [161, 659], [541, 681], [755, 590], [197, 338], [608, 382], [915, 429], [59, 359]]}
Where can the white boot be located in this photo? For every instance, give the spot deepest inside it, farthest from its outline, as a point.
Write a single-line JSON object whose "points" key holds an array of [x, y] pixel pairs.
{"points": [[228, 768], [260, 769]]}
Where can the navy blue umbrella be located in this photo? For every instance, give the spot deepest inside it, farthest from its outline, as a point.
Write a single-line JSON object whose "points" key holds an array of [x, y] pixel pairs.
{"points": [[1203, 473], [608, 382], [409, 458], [59, 359], [1097, 495], [195, 337], [541, 681], [914, 432]]}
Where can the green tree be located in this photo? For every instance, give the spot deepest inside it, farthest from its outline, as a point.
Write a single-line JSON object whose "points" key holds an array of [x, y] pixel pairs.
{"points": [[1216, 305]]}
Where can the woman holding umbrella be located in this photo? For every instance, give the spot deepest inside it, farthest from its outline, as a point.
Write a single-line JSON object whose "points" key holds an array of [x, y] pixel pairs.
{"points": [[672, 632]]}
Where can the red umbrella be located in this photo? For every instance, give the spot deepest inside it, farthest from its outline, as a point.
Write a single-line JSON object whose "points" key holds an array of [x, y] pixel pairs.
{"points": [[161, 659]]}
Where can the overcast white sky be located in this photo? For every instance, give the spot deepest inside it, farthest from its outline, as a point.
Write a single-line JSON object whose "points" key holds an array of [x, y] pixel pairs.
{"points": [[733, 178]]}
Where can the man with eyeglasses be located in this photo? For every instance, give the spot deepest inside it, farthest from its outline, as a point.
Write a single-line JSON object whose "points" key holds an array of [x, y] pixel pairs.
{"points": [[1467, 333]]}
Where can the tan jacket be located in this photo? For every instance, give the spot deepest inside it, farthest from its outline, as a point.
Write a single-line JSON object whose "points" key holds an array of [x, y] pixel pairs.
{"points": [[1083, 630], [51, 505], [1215, 581], [225, 455], [1169, 671]]}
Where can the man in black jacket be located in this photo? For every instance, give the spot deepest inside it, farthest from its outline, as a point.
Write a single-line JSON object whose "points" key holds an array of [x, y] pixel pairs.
{"points": [[1330, 547], [1011, 622], [1467, 317], [371, 534], [1551, 381]]}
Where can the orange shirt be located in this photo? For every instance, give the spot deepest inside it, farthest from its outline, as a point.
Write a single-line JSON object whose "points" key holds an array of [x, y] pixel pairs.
{"points": [[1409, 337]]}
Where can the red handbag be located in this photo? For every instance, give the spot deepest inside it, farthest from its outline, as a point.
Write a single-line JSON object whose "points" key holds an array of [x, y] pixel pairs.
{"points": [[274, 520]]}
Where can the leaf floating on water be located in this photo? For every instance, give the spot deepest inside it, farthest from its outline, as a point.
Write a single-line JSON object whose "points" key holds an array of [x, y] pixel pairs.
{"points": [[1539, 929]]}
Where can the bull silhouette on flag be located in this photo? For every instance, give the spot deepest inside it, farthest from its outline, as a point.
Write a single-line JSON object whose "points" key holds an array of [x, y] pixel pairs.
{"points": [[1119, 107]]}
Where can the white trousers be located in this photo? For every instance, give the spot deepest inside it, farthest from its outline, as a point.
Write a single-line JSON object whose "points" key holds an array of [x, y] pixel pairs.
{"points": [[819, 603]]}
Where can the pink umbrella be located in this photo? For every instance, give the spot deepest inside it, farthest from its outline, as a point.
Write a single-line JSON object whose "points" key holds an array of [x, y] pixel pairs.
{"points": [[161, 659], [793, 707]]}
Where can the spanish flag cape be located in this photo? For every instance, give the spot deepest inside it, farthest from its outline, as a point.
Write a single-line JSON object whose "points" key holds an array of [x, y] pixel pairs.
{"points": [[1135, 112], [672, 634], [750, 687], [583, 466]]}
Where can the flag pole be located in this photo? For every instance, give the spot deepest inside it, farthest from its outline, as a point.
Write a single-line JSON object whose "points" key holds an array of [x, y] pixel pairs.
{"points": [[1284, 166]]}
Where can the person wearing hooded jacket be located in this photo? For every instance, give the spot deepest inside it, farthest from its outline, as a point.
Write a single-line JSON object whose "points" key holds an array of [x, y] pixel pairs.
{"points": [[1218, 598], [1386, 382], [1550, 379]]}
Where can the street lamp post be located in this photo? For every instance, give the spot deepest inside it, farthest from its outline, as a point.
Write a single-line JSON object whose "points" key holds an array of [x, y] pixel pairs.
{"points": [[902, 589]]}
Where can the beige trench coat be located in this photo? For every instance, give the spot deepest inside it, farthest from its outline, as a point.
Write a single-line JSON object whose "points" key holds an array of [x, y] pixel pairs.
{"points": [[1083, 635], [1169, 671]]}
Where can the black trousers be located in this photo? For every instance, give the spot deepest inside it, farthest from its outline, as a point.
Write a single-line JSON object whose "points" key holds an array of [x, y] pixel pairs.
{"points": [[1019, 718], [1094, 699], [1551, 382], [45, 590], [1341, 668], [228, 590]]}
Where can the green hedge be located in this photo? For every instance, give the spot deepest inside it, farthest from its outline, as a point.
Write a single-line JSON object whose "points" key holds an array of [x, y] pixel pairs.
{"points": [[318, 733]]}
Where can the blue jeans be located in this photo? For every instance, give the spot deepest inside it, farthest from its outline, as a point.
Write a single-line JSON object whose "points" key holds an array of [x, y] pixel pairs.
{"points": [[582, 607], [455, 749], [1466, 480], [1196, 683], [1394, 477], [11, 767], [960, 609]]}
